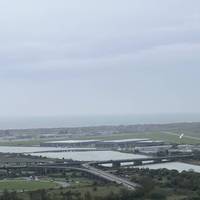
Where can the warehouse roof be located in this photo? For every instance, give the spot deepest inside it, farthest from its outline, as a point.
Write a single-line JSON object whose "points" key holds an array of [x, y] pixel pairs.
{"points": [[71, 141]]}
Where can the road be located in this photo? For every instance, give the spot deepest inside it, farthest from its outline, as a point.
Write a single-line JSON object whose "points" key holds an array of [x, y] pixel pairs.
{"points": [[110, 177], [157, 159], [85, 167]]}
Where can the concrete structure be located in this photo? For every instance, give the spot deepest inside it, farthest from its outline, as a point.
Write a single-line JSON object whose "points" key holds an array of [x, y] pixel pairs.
{"points": [[128, 143], [90, 168], [142, 161], [150, 148], [85, 168], [145, 143], [70, 143], [153, 150], [108, 144], [110, 177], [125, 143]]}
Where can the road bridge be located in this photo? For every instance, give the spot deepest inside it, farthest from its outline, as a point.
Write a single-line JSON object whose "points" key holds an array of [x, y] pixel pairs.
{"points": [[85, 168], [142, 161], [110, 177], [68, 150], [91, 169]]}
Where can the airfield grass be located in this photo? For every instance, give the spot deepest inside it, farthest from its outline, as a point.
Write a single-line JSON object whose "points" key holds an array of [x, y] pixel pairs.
{"points": [[16, 185], [21, 143], [150, 135], [164, 136]]}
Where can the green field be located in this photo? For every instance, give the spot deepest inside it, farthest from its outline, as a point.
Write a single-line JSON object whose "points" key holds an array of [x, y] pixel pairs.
{"points": [[100, 190], [167, 137], [20, 143], [154, 136], [26, 185], [59, 193]]}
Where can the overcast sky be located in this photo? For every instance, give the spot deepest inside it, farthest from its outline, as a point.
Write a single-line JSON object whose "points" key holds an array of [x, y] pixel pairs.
{"points": [[99, 57]]}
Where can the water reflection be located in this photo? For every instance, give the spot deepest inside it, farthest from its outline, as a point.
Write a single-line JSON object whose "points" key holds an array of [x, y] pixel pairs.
{"points": [[173, 165]]}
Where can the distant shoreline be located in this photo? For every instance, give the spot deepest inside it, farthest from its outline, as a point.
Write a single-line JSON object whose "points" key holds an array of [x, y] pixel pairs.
{"points": [[95, 121]]}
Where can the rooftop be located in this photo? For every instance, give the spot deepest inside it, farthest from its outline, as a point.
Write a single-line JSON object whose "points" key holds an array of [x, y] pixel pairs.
{"points": [[151, 141], [128, 140], [72, 141]]}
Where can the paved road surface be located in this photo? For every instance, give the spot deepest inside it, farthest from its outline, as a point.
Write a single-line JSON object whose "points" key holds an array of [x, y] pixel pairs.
{"points": [[87, 168], [110, 177]]}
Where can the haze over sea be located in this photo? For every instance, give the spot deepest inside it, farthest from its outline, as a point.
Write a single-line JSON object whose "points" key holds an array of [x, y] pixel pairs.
{"points": [[94, 120]]}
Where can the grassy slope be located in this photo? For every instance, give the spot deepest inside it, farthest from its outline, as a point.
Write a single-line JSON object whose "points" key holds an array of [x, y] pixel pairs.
{"points": [[26, 185]]}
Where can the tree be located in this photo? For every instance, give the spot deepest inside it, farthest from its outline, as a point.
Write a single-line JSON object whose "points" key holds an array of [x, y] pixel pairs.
{"points": [[87, 196]]}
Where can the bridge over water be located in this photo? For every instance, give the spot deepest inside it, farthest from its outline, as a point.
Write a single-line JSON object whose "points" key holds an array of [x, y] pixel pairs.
{"points": [[91, 169], [84, 168], [141, 161]]}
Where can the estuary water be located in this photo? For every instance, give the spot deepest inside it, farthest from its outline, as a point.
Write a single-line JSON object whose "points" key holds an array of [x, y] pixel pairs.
{"points": [[16, 149], [74, 155], [95, 156], [173, 165], [91, 155]]}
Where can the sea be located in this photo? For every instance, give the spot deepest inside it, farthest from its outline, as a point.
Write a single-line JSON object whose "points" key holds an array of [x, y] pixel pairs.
{"points": [[94, 120]]}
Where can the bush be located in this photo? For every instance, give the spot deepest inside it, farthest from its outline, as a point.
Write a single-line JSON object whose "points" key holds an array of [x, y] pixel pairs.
{"points": [[157, 195]]}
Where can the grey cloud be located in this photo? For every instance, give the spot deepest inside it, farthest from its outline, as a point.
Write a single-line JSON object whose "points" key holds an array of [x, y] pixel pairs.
{"points": [[69, 57]]}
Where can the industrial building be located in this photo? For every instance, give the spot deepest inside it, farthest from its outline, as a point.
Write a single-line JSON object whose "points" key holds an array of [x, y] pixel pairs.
{"points": [[109, 144], [125, 143], [153, 150], [146, 143], [70, 143]]}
